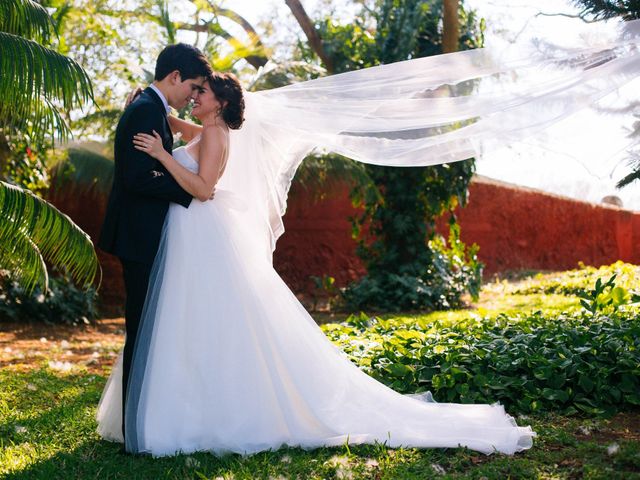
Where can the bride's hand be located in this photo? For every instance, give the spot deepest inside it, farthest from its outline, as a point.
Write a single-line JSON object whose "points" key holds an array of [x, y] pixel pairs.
{"points": [[132, 96], [150, 144]]}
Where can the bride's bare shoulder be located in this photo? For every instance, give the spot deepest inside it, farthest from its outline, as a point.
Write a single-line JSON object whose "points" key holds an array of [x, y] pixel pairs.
{"points": [[214, 142], [215, 133]]}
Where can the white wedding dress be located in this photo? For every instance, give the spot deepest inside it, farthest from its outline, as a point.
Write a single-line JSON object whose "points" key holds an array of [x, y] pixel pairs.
{"points": [[228, 360]]}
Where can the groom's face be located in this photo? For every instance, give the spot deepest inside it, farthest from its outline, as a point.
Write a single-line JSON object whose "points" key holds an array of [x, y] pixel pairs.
{"points": [[185, 90]]}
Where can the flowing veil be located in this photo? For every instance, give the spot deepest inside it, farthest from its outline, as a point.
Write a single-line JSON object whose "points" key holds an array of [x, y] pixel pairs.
{"points": [[419, 112]]}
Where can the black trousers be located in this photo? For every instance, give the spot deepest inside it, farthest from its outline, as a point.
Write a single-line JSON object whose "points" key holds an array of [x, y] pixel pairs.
{"points": [[136, 282]]}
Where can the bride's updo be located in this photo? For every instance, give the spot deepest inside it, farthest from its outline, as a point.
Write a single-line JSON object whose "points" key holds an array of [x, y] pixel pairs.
{"points": [[227, 88]]}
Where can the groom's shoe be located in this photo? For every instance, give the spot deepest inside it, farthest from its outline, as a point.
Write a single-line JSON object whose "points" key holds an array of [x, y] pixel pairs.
{"points": [[123, 451]]}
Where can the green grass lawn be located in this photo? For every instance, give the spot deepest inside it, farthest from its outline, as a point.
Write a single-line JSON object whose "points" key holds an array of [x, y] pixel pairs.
{"points": [[48, 428]]}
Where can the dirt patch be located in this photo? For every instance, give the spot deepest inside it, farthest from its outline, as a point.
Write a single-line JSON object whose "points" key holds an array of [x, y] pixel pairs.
{"points": [[624, 426], [62, 347]]}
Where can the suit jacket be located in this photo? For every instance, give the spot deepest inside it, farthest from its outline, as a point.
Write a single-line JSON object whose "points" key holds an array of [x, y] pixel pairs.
{"points": [[142, 187]]}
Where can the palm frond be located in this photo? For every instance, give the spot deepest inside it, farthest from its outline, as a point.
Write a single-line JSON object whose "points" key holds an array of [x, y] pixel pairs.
{"points": [[240, 51], [33, 78], [42, 118], [605, 9], [634, 175], [26, 18], [237, 18], [33, 231], [30, 70], [22, 258], [252, 51], [166, 22]]}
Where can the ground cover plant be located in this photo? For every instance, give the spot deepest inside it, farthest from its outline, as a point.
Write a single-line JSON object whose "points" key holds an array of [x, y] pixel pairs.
{"points": [[571, 363], [51, 377]]}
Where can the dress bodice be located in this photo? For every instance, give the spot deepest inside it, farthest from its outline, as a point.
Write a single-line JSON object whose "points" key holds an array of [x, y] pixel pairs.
{"points": [[185, 159]]}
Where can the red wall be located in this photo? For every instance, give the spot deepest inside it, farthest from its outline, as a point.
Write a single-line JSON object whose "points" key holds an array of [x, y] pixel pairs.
{"points": [[317, 239], [515, 227], [525, 228]]}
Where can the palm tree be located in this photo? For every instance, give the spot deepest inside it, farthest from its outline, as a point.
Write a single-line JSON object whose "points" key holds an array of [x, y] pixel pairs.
{"points": [[36, 85]]}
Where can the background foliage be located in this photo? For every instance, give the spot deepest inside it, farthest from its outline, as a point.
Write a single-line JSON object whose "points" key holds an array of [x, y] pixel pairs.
{"points": [[62, 302]]}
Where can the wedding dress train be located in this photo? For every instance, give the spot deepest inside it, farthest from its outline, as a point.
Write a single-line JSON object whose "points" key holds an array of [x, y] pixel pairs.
{"points": [[228, 360]]}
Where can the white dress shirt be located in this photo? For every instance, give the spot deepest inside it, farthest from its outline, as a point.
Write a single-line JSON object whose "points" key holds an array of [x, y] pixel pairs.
{"points": [[162, 97]]}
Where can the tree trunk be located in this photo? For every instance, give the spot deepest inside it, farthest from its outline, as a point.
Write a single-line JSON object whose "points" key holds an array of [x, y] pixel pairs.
{"points": [[450, 27], [312, 35]]}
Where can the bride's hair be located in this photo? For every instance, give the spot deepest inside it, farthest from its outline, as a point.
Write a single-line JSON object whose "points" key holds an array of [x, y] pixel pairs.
{"points": [[227, 88]]}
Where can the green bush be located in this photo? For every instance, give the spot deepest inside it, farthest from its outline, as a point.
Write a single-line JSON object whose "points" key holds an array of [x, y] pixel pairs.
{"points": [[607, 297], [454, 270], [64, 302], [572, 363]]}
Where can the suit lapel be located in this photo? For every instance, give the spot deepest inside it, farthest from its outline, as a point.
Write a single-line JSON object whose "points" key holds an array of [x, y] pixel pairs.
{"points": [[167, 135]]}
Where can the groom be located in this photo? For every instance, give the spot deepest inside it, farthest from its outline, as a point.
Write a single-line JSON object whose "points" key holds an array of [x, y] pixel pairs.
{"points": [[142, 187]]}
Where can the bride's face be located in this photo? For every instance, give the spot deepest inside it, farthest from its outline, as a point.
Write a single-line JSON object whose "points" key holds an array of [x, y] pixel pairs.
{"points": [[205, 103]]}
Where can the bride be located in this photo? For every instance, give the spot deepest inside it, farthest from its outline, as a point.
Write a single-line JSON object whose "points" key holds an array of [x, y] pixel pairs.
{"points": [[228, 360]]}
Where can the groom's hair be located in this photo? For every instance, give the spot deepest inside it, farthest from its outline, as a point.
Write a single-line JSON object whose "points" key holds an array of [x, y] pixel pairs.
{"points": [[187, 59]]}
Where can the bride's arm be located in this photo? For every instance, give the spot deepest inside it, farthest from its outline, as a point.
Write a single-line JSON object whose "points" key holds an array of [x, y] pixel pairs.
{"points": [[188, 129], [201, 184]]}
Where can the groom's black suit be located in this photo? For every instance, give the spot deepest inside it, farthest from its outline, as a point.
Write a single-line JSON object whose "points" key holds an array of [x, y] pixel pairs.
{"points": [[138, 203]]}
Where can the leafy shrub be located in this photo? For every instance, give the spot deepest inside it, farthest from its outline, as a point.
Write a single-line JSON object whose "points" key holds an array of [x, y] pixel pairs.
{"points": [[607, 297], [572, 363], [453, 271], [63, 302]]}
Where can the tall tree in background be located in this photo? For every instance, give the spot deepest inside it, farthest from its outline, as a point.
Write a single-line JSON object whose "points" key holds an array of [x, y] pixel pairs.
{"points": [[37, 85], [450, 26], [408, 267], [313, 37]]}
